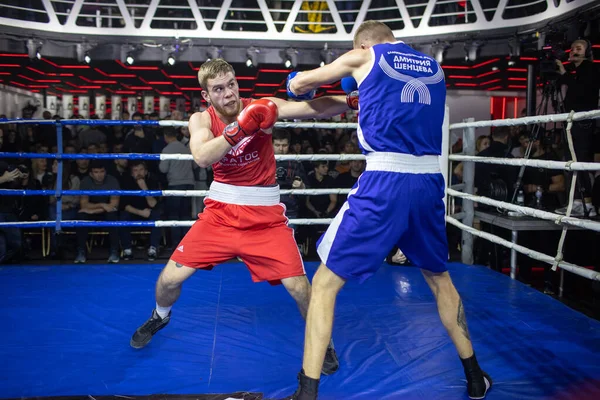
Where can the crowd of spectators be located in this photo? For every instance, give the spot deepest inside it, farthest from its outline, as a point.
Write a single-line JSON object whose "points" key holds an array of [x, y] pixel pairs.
{"points": [[123, 174]]}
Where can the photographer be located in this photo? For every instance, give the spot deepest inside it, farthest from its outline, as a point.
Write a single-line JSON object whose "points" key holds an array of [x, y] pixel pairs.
{"points": [[10, 238], [583, 84]]}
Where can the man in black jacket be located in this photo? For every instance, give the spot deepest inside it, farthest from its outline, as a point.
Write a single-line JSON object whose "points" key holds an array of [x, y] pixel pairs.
{"points": [[499, 176], [485, 174], [583, 85]]}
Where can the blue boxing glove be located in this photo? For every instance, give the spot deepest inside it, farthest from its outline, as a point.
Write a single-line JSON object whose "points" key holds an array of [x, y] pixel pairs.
{"points": [[349, 84], [306, 96]]}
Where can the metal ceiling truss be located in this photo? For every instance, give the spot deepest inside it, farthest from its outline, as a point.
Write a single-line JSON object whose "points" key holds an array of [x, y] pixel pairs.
{"points": [[285, 21]]}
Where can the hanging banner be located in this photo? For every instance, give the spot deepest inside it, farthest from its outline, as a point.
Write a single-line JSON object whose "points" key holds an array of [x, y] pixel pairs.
{"points": [[180, 104], [164, 107], [100, 106], [67, 106], [38, 102], [132, 105], [84, 106], [148, 104], [52, 104], [115, 107]]}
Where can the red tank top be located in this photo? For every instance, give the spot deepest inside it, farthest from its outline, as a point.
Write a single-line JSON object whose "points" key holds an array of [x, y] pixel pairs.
{"points": [[249, 163]]}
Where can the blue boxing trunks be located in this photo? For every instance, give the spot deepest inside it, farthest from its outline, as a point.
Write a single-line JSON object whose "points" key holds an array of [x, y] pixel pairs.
{"points": [[398, 200]]}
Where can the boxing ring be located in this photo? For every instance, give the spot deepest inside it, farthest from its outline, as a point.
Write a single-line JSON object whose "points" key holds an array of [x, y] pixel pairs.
{"points": [[66, 328]]}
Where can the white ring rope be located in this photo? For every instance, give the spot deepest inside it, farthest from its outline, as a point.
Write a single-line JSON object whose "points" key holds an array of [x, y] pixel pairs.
{"points": [[527, 120], [314, 125], [560, 165], [161, 224], [565, 221], [524, 250], [312, 192], [556, 165], [563, 234], [284, 157], [532, 212]]}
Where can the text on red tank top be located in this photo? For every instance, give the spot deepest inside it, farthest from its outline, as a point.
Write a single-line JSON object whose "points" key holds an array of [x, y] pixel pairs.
{"points": [[249, 163]]}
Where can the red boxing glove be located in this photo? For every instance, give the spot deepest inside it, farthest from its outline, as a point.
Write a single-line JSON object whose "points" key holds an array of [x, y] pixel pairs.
{"points": [[352, 100], [258, 115]]}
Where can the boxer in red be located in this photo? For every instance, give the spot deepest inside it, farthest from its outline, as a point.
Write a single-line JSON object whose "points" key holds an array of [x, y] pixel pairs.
{"points": [[243, 216]]}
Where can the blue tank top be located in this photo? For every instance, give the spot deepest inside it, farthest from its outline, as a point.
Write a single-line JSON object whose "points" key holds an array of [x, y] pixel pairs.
{"points": [[402, 102]]}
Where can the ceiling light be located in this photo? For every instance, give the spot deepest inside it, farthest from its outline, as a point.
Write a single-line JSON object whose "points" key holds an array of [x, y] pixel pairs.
{"points": [[213, 53], [438, 50], [34, 46], [291, 58], [252, 57], [471, 50]]}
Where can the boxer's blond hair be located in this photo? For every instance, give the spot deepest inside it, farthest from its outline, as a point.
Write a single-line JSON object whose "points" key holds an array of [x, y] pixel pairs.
{"points": [[212, 69], [373, 31]]}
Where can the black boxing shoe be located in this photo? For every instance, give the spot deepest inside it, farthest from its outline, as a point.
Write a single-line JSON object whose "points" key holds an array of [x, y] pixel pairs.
{"points": [[308, 388], [477, 387], [331, 362], [478, 382], [144, 333]]}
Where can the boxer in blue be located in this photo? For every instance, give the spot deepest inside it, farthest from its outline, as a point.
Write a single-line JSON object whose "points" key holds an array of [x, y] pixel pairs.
{"points": [[398, 200]]}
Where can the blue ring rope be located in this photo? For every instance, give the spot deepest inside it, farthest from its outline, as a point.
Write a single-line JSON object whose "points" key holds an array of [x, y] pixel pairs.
{"points": [[78, 122], [49, 192], [112, 156], [77, 224]]}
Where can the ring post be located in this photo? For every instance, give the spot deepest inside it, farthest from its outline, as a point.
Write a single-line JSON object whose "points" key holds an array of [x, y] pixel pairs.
{"points": [[444, 162], [469, 180], [59, 173]]}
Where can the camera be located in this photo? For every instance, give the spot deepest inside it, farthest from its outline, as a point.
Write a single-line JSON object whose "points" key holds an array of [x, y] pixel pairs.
{"points": [[22, 168], [548, 56]]}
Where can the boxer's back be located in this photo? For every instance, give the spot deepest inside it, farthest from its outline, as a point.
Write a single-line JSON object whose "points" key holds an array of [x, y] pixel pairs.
{"points": [[402, 102]]}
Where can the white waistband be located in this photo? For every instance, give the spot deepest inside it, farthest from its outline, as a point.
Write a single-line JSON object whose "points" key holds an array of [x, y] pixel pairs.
{"points": [[404, 163], [244, 195]]}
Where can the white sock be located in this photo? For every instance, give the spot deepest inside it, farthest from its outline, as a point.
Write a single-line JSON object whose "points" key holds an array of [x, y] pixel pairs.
{"points": [[162, 311]]}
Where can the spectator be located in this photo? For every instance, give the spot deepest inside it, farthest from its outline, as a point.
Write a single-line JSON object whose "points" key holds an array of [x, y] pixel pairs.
{"points": [[32, 208], [290, 174], [135, 208], [485, 174], [88, 137], [482, 143], [38, 169], [120, 170], [10, 238], [69, 204], [321, 206], [98, 208], [551, 184], [497, 176], [137, 141], [180, 176], [82, 166], [583, 88], [519, 152], [348, 179]]}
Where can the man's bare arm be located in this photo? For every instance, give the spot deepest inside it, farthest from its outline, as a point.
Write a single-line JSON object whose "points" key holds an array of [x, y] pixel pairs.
{"points": [[353, 63], [323, 107], [205, 147]]}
